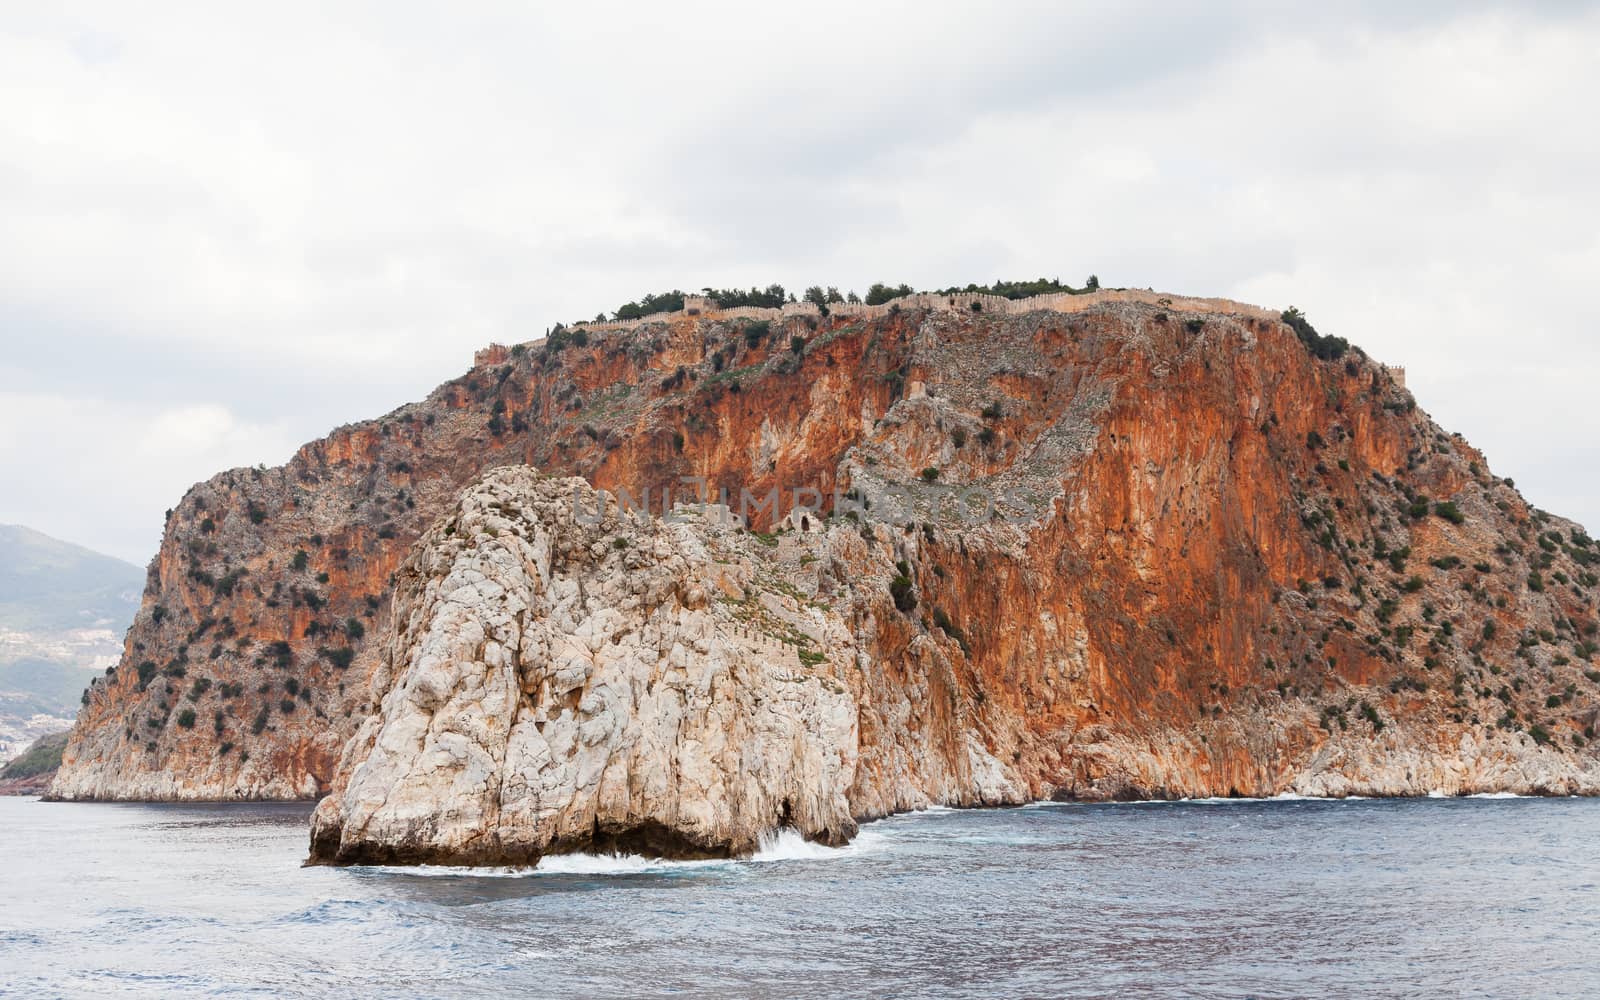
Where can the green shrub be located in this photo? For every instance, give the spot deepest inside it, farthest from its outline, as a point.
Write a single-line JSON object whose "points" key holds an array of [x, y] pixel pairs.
{"points": [[298, 563], [1371, 715], [186, 718], [992, 411], [930, 474], [1322, 347], [1447, 510], [354, 629], [1022, 289], [561, 338], [986, 436], [880, 293], [260, 722], [903, 592], [797, 345], [339, 656], [650, 304], [41, 756]]}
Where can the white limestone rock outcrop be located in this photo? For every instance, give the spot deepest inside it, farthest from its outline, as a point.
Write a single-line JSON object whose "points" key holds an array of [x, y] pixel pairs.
{"points": [[551, 686]]}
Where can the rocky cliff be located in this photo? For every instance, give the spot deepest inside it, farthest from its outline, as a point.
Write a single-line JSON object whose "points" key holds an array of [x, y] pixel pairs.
{"points": [[553, 685], [1225, 561]]}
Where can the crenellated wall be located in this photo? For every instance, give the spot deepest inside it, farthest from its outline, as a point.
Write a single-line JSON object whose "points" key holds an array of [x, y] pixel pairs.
{"points": [[1066, 302], [958, 301]]}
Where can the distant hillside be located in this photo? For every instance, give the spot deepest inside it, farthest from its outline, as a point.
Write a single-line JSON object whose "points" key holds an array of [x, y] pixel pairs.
{"points": [[43, 755], [31, 771], [63, 613], [47, 585]]}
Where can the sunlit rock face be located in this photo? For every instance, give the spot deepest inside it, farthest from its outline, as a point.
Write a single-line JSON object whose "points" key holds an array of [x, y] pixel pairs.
{"points": [[552, 685], [1224, 565]]}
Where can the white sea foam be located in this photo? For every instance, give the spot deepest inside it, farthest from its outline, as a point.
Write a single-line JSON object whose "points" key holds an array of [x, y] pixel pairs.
{"points": [[781, 845], [1499, 795], [613, 864], [786, 844]]}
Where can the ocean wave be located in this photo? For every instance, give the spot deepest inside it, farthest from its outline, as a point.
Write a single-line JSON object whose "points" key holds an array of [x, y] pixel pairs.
{"points": [[785, 844], [614, 864], [781, 845]]}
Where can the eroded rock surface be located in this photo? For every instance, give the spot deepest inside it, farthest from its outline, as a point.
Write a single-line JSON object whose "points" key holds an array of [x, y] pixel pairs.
{"points": [[551, 685], [1239, 565], [682, 688]]}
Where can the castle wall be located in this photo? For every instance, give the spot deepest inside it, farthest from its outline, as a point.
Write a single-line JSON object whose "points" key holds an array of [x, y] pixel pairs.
{"points": [[1062, 302]]}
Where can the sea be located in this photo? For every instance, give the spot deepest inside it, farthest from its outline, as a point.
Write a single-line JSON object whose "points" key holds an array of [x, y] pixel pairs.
{"points": [[1469, 897]]}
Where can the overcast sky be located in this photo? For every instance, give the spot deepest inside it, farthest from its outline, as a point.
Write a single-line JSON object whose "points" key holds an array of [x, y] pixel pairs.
{"points": [[223, 234]]}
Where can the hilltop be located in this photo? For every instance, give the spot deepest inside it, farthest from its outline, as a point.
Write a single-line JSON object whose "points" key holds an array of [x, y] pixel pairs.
{"points": [[1229, 555]]}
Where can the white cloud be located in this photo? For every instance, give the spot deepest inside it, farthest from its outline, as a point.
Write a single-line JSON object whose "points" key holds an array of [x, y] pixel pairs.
{"points": [[100, 472], [229, 231]]}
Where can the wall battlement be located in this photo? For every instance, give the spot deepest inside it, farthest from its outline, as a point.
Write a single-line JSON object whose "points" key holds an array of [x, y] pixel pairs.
{"points": [[699, 307]]}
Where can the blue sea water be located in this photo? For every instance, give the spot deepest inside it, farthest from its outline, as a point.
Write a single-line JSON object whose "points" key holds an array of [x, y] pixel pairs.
{"points": [[1426, 898]]}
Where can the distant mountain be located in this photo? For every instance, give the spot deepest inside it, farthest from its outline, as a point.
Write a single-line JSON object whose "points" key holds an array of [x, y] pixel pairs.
{"points": [[63, 612], [47, 585]]}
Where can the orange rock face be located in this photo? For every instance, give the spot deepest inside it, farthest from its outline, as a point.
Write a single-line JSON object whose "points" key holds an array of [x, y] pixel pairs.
{"points": [[1224, 566]]}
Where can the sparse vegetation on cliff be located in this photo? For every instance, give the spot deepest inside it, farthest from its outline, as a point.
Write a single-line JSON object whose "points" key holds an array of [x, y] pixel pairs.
{"points": [[879, 293], [42, 756], [1134, 562], [1022, 289], [903, 591], [1325, 347]]}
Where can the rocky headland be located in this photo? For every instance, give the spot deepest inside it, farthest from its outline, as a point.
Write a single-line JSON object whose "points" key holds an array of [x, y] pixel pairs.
{"points": [[1227, 556]]}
